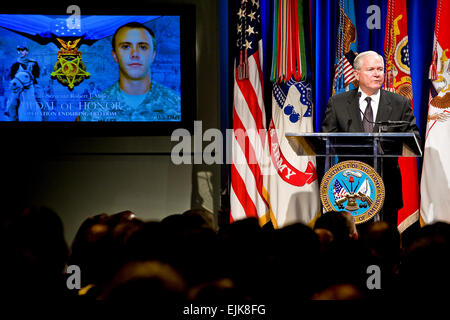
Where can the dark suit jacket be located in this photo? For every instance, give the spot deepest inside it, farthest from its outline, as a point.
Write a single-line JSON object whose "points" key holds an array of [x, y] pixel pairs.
{"points": [[343, 115]]}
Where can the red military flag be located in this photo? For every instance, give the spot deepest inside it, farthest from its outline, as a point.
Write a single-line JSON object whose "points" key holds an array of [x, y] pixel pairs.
{"points": [[398, 79]]}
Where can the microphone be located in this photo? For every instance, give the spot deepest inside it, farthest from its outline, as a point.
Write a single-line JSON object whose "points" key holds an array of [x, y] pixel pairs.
{"points": [[388, 123], [393, 122]]}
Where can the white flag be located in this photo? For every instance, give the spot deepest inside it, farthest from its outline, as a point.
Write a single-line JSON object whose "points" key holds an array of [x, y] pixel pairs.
{"points": [[435, 183], [292, 186]]}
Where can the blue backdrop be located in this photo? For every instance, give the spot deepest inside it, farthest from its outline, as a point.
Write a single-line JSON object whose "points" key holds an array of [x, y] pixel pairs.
{"points": [[322, 45], [321, 42], [421, 16]]}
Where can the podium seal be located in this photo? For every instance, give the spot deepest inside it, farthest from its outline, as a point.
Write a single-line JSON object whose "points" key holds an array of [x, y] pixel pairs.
{"points": [[355, 187]]}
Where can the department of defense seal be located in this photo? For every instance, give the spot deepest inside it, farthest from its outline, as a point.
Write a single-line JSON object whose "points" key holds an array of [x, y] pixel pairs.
{"points": [[353, 186]]}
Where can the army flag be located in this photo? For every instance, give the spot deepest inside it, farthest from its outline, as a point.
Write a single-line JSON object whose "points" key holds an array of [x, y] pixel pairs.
{"points": [[435, 182], [291, 182], [293, 190], [398, 79]]}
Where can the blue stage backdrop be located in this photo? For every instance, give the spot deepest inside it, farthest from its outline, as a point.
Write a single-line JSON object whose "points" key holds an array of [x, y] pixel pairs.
{"points": [[323, 24]]}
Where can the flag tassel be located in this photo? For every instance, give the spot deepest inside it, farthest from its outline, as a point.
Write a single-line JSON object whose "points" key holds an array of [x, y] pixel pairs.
{"points": [[433, 67]]}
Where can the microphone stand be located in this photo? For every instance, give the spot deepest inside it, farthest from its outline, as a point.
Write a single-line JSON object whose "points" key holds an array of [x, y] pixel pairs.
{"points": [[383, 126]]}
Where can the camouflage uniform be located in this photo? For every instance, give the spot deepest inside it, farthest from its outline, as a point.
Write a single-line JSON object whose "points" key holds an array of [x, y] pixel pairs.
{"points": [[159, 104]]}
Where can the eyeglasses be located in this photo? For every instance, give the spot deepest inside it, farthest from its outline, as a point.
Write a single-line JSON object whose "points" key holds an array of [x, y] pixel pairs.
{"points": [[22, 49]]}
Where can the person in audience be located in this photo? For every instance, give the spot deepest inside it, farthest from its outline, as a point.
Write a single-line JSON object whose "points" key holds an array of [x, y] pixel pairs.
{"points": [[184, 259], [222, 291], [99, 248], [339, 292], [294, 263], [243, 243], [340, 223], [34, 255], [382, 240], [202, 218], [87, 250], [325, 238], [344, 253], [424, 271], [153, 282]]}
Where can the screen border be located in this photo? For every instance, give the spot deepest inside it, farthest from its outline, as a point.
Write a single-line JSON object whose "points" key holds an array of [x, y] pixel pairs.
{"points": [[187, 13]]}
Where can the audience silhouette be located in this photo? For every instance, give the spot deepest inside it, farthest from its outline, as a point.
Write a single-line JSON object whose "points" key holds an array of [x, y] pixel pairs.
{"points": [[185, 259], [34, 255]]}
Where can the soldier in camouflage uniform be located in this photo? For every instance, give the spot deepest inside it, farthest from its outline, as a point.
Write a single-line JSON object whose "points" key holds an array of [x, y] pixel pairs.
{"points": [[135, 97]]}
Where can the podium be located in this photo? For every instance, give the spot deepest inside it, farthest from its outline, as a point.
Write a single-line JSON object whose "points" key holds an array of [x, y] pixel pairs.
{"points": [[370, 148], [355, 145]]}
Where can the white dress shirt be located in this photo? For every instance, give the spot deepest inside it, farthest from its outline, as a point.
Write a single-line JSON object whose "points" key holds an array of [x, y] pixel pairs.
{"points": [[374, 103]]}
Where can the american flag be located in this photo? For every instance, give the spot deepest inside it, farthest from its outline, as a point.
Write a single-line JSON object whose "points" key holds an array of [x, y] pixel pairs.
{"points": [[345, 67], [66, 27], [338, 190], [249, 119]]}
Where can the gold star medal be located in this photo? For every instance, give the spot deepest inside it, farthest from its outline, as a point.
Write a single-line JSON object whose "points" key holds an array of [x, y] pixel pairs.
{"points": [[69, 68]]}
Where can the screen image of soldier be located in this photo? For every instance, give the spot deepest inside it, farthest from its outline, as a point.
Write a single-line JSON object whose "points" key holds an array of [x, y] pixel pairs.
{"points": [[135, 96], [26, 63], [26, 94]]}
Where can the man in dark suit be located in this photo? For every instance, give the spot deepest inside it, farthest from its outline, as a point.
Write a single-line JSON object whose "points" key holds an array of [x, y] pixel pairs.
{"points": [[361, 110]]}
